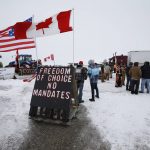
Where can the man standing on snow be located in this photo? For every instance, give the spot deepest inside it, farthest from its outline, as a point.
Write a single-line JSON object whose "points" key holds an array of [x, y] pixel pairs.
{"points": [[118, 76], [128, 83], [145, 77], [135, 73], [93, 72], [80, 76], [102, 73], [107, 71]]}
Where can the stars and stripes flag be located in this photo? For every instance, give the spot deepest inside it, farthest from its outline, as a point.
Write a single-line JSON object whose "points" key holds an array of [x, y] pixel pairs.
{"points": [[8, 42]]}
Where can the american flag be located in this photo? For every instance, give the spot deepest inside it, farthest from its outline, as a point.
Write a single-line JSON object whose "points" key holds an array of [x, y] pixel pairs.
{"points": [[9, 43]]}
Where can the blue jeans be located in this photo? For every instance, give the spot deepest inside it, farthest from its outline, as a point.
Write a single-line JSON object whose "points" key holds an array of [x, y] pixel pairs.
{"points": [[94, 87], [145, 81], [80, 90], [128, 84], [134, 86]]}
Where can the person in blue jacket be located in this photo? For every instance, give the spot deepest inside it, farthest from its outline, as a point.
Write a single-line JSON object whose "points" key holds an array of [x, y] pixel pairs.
{"points": [[93, 73]]}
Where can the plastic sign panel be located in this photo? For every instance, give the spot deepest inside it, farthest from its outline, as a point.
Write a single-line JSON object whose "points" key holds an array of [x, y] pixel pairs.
{"points": [[53, 87]]}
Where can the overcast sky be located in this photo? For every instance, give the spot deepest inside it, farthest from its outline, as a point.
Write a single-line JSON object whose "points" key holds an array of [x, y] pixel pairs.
{"points": [[101, 27]]}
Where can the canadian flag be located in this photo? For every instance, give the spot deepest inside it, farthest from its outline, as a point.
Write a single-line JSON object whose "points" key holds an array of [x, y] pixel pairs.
{"points": [[51, 57], [58, 23]]}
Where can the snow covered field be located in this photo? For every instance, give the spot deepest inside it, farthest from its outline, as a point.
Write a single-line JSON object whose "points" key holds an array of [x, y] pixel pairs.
{"points": [[122, 119]]}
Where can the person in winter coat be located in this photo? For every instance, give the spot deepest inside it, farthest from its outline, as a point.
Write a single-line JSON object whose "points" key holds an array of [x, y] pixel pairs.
{"points": [[93, 73], [123, 70], [118, 82], [1, 65], [135, 73], [80, 76], [102, 74], [145, 69], [128, 77], [107, 71]]}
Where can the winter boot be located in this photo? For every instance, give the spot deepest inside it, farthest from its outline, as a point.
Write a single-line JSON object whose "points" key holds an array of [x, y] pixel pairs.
{"points": [[91, 99]]}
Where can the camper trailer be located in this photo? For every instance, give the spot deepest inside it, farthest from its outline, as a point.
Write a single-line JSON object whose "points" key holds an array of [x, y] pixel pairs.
{"points": [[138, 56]]}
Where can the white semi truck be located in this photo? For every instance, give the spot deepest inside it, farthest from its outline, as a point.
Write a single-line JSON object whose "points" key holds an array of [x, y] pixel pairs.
{"points": [[139, 56]]}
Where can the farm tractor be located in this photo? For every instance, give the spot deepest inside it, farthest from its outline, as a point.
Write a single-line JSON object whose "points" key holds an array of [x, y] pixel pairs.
{"points": [[24, 63]]}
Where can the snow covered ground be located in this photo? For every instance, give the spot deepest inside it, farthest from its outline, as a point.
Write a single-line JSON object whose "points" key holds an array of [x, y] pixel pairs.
{"points": [[122, 119]]}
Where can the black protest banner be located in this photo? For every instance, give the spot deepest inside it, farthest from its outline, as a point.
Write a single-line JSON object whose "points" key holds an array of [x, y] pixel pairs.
{"points": [[53, 87]]}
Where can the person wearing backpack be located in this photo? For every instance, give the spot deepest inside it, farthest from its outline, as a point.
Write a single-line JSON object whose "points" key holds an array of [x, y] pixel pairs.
{"points": [[80, 76]]}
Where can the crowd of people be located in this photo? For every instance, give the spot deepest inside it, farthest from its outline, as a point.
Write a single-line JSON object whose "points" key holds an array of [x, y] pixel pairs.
{"points": [[132, 74]]}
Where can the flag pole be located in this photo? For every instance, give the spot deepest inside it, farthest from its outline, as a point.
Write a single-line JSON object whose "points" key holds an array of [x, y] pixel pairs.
{"points": [[17, 61], [73, 35], [35, 45], [36, 51]]}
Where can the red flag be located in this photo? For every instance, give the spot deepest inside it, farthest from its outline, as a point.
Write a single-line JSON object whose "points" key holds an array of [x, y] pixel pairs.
{"points": [[44, 24], [8, 41], [58, 23], [63, 21], [20, 29]]}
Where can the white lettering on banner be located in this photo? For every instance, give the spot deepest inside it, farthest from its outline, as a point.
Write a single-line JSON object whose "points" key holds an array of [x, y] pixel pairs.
{"points": [[51, 94], [67, 95], [39, 77], [53, 71], [52, 85], [53, 78], [59, 78]]}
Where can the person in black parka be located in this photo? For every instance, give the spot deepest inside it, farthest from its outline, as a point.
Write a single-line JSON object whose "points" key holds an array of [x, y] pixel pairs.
{"points": [[80, 76], [145, 69]]}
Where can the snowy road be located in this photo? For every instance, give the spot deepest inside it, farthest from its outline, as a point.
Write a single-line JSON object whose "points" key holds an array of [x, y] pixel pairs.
{"points": [[18, 132], [116, 121]]}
